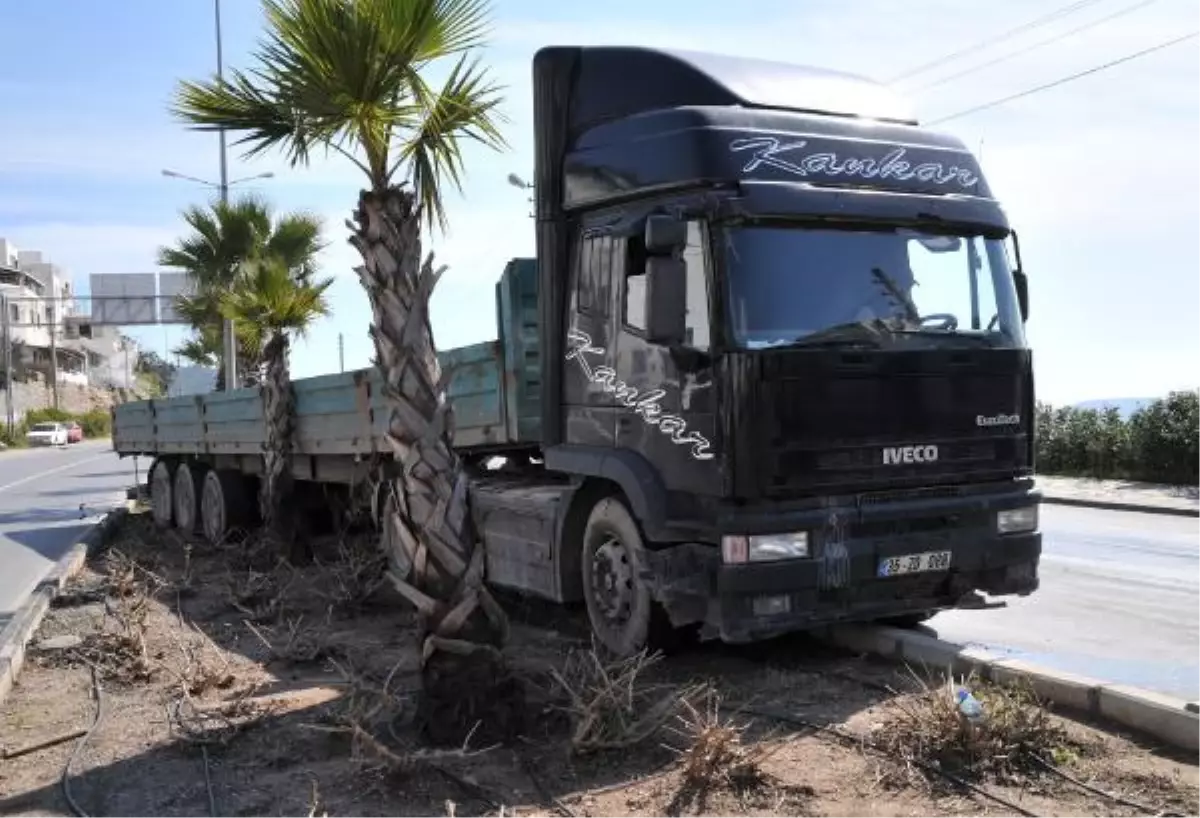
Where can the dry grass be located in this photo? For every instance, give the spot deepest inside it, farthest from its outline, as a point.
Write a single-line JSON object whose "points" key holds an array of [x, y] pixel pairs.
{"points": [[289, 737], [928, 729], [717, 754], [355, 574], [610, 705], [261, 596], [296, 642]]}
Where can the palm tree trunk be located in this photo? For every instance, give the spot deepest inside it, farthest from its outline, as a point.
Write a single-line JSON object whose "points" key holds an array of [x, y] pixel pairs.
{"points": [[275, 488], [436, 561]]}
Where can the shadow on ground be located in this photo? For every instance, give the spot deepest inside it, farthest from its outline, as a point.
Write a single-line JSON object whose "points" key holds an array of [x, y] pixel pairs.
{"points": [[270, 618]]}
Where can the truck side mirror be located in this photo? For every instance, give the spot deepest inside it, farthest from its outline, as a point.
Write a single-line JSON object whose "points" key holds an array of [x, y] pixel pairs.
{"points": [[1022, 284], [1019, 278], [666, 300], [665, 235]]}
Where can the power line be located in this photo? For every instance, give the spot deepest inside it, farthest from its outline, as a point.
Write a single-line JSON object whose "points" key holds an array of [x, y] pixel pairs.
{"points": [[1049, 41], [1063, 80], [999, 38]]}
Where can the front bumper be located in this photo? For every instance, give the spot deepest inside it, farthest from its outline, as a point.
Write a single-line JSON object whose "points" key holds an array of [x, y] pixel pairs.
{"points": [[997, 565], [840, 581]]}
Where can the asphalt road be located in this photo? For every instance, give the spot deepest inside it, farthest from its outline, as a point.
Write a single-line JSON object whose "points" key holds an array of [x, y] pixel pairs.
{"points": [[1119, 601], [40, 518]]}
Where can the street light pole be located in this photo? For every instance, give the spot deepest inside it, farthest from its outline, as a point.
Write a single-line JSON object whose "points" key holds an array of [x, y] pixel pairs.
{"points": [[227, 331], [7, 356]]}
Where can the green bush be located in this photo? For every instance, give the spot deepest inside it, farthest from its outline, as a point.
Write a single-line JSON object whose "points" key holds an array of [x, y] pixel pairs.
{"points": [[94, 422], [1159, 443]]}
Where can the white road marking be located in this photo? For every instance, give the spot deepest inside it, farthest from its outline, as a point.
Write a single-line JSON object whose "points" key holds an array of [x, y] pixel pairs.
{"points": [[55, 470]]}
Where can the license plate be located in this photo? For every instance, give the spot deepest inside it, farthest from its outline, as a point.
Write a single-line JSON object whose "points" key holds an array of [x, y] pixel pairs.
{"points": [[914, 563]]}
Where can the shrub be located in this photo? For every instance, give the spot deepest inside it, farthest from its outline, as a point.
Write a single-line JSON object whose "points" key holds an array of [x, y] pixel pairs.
{"points": [[94, 422], [1159, 443]]}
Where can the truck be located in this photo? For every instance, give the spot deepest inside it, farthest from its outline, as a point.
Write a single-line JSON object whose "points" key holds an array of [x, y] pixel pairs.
{"points": [[768, 371]]}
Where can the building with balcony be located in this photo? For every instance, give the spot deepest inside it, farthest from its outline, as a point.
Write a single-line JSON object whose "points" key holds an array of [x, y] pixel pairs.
{"points": [[43, 326]]}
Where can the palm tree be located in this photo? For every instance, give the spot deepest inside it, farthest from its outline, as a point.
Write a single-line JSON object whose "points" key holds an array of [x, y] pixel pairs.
{"points": [[350, 76], [270, 297], [222, 237]]}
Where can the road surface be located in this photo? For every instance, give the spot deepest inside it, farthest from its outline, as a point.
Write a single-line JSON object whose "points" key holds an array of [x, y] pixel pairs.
{"points": [[1119, 601], [40, 518]]}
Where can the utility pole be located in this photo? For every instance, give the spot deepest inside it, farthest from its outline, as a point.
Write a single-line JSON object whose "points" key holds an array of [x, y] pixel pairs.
{"points": [[341, 353], [54, 350], [7, 356], [228, 333]]}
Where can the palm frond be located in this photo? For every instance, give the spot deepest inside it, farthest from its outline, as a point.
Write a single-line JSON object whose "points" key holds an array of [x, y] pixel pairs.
{"points": [[199, 351], [268, 296], [347, 76], [296, 241], [466, 107]]}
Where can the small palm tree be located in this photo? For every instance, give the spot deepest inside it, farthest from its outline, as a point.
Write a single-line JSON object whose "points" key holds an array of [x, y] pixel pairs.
{"points": [[279, 303], [223, 236], [206, 347], [350, 76]]}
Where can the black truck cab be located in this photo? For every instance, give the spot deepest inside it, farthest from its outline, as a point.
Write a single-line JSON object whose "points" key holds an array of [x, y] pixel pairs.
{"points": [[784, 373]]}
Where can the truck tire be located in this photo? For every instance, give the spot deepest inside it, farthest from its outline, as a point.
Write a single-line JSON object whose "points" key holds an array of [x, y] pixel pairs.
{"points": [[189, 477], [618, 602], [162, 495], [225, 504]]}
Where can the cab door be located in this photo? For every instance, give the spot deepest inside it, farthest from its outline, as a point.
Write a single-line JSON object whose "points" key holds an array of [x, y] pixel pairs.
{"points": [[668, 408]]}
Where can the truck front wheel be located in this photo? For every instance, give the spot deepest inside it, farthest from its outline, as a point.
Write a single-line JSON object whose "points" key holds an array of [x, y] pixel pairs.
{"points": [[618, 602]]}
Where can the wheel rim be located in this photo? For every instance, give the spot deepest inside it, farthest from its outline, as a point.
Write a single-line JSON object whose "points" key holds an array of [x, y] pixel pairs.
{"points": [[160, 494], [612, 581], [212, 509], [185, 499]]}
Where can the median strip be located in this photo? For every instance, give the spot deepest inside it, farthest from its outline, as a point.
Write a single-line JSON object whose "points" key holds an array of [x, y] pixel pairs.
{"points": [[1164, 717]]}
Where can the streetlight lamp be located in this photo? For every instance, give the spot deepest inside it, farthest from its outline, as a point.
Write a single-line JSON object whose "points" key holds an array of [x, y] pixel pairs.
{"points": [[217, 185], [519, 183]]}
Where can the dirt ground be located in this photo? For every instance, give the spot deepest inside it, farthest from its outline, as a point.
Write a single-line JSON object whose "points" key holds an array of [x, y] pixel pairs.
{"points": [[231, 683]]}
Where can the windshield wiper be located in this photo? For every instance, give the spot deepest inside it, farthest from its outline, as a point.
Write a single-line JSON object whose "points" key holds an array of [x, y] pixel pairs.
{"points": [[946, 335], [898, 296], [859, 334]]}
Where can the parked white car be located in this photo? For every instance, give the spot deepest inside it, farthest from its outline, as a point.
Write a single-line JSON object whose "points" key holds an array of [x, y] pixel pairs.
{"points": [[47, 434]]}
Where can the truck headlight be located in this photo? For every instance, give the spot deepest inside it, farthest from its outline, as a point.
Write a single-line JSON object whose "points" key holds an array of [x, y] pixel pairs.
{"points": [[739, 548], [1017, 520]]}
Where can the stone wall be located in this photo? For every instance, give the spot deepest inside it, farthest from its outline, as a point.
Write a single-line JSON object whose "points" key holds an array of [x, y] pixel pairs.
{"points": [[71, 398]]}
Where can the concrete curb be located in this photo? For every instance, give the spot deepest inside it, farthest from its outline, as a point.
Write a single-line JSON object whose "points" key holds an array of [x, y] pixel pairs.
{"points": [[1116, 505], [1166, 718], [24, 624]]}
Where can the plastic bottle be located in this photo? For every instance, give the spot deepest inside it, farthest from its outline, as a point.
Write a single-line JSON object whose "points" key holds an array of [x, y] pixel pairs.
{"points": [[969, 706]]}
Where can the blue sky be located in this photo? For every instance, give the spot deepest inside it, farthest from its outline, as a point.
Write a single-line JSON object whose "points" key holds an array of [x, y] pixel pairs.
{"points": [[1099, 175]]}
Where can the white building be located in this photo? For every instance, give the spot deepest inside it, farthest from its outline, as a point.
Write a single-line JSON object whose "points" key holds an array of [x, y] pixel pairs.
{"points": [[43, 320]]}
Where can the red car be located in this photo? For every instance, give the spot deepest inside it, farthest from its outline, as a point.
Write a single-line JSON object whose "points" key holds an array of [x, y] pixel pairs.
{"points": [[74, 433]]}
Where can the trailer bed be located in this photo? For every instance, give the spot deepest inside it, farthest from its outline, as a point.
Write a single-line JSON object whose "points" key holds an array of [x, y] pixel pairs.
{"points": [[493, 387]]}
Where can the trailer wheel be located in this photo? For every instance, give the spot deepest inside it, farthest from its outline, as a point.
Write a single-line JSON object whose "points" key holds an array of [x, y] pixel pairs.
{"points": [[162, 504], [618, 602], [224, 504], [187, 496]]}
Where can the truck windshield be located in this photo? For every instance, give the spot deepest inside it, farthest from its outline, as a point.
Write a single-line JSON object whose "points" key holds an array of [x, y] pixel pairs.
{"points": [[890, 287]]}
